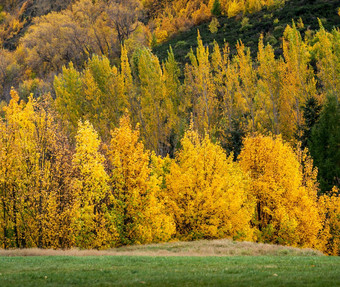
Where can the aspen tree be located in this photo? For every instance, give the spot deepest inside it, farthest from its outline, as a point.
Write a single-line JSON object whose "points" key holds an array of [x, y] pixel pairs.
{"points": [[70, 101], [286, 209], [330, 210], [95, 221], [155, 104], [247, 84], [126, 87], [230, 105], [327, 53], [35, 212], [209, 192], [104, 104], [177, 106], [299, 82], [200, 88], [269, 86], [139, 213]]}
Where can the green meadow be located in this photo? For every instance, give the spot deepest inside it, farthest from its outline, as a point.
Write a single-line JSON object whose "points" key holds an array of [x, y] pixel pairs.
{"points": [[169, 271]]}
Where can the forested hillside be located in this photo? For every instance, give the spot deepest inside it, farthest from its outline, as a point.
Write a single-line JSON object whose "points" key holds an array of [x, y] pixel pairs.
{"points": [[103, 143]]}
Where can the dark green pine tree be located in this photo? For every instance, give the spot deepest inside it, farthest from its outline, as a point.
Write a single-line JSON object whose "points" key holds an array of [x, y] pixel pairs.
{"points": [[311, 114], [216, 9], [324, 145]]}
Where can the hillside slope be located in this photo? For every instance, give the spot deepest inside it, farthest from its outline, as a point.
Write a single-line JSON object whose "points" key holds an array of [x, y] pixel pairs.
{"points": [[24, 12], [249, 28]]}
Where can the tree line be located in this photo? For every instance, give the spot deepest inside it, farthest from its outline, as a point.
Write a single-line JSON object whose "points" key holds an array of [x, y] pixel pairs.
{"points": [[99, 195], [138, 152], [227, 96]]}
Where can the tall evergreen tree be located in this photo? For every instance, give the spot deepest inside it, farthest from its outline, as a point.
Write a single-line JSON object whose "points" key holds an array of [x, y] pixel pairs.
{"points": [[311, 113], [216, 9], [324, 145]]}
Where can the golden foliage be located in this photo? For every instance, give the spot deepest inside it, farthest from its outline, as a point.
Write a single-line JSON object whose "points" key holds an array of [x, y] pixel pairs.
{"points": [[286, 211], [139, 213], [95, 222], [209, 192], [54, 196], [200, 87], [330, 210], [36, 200]]}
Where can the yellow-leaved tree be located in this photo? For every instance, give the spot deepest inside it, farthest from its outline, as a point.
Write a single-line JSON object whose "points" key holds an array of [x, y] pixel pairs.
{"points": [[298, 82], [156, 105], [200, 89], [247, 85], [231, 106], [209, 192], [140, 213], [286, 209], [330, 209], [95, 223], [270, 73], [36, 202], [327, 52]]}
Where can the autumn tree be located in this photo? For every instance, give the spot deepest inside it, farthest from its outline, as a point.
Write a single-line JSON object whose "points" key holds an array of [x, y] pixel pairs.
{"points": [[94, 94], [157, 109], [74, 34], [209, 192], [124, 15], [330, 209], [299, 82], [11, 168], [247, 85], [139, 212], [104, 104], [177, 108], [327, 53], [126, 86], [67, 41], [200, 89], [100, 38], [286, 206], [70, 102], [269, 88], [232, 125], [37, 203], [95, 220]]}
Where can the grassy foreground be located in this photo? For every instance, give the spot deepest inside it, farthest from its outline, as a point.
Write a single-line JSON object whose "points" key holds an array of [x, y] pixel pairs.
{"points": [[170, 271]]}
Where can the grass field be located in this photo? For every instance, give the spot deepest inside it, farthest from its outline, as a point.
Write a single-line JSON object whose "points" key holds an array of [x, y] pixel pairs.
{"points": [[201, 263], [170, 271]]}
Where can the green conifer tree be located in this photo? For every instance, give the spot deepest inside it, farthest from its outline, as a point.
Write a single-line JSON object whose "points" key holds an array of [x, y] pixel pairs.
{"points": [[324, 145]]}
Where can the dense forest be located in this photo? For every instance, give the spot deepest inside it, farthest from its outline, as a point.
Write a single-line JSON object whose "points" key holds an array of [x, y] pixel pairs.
{"points": [[103, 143]]}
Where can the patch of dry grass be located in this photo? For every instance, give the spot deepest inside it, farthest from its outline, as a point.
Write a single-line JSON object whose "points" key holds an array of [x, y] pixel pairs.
{"points": [[221, 247]]}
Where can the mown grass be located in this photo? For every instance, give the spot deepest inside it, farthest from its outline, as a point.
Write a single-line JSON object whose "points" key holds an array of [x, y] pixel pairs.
{"points": [[170, 271]]}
